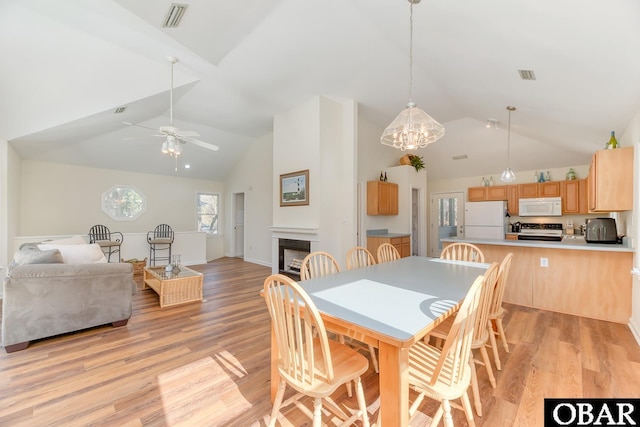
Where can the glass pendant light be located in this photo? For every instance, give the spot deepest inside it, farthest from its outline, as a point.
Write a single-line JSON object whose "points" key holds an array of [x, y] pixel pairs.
{"points": [[413, 128], [507, 174]]}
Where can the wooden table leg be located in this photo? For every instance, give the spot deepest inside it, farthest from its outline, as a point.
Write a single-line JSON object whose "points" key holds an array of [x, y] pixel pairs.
{"points": [[275, 377], [394, 385]]}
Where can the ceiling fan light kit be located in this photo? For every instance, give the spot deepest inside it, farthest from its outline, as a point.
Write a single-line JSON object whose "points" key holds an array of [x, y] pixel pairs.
{"points": [[412, 128]]}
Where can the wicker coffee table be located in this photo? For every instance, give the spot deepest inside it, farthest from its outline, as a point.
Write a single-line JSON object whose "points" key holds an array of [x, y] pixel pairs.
{"points": [[174, 288]]}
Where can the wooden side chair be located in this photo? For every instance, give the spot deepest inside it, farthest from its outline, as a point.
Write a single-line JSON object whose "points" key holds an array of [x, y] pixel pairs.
{"points": [[109, 241], [160, 239], [481, 332], [496, 312], [387, 252], [445, 374], [462, 252], [308, 361], [318, 264], [358, 257]]}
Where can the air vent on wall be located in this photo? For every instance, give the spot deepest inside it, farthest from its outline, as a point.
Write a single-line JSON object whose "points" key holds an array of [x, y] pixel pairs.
{"points": [[527, 74], [176, 11], [460, 157], [119, 110]]}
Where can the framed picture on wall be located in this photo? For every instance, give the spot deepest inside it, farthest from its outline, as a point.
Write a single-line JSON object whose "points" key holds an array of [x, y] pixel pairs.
{"points": [[294, 188]]}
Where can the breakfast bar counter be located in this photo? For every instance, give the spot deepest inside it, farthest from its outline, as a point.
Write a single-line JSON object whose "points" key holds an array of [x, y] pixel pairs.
{"points": [[583, 279]]}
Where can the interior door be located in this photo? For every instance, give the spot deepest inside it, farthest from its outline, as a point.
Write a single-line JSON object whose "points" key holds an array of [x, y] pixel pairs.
{"points": [[446, 219], [238, 226]]}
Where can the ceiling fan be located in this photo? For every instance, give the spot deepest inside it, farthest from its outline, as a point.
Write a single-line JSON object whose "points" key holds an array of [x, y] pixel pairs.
{"points": [[174, 137]]}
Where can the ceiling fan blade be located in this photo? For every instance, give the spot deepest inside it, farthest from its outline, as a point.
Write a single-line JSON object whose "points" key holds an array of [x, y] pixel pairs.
{"points": [[200, 143], [140, 126], [129, 138], [188, 133]]}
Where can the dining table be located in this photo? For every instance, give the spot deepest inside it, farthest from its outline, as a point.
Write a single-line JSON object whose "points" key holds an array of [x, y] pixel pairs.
{"points": [[391, 306]]}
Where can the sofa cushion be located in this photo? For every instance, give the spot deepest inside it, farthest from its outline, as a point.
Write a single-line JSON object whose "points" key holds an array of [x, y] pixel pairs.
{"points": [[33, 255], [78, 254]]}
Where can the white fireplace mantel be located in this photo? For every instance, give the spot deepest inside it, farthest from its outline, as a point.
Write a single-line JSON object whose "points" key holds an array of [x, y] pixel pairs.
{"points": [[294, 230]]}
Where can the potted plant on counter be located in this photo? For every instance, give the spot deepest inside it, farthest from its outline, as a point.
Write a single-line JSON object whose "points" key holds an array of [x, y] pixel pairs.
{"points": [[414, 160]]}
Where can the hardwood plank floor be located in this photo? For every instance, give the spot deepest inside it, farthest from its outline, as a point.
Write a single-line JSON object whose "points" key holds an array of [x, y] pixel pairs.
{"points": [[207, 364]]}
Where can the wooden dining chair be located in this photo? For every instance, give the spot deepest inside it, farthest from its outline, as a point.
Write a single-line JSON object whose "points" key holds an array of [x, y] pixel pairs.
{"points": [[481, 332], [462, 252], [309, 362], [318, 264], [358, 257], [496, 312], [387, 252], [445, 374]]}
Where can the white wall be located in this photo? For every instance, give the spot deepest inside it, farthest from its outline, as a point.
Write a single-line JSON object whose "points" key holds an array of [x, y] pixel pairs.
{"points": [[318, 135], [631, 137], [65, 200], [253, 176]]}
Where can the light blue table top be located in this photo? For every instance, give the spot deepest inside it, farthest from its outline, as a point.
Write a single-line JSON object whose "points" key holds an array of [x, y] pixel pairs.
{"points": [[398, 298]]}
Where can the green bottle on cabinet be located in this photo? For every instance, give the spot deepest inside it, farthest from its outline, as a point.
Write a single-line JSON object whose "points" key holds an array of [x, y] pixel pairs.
{"points": [[613, 142]]}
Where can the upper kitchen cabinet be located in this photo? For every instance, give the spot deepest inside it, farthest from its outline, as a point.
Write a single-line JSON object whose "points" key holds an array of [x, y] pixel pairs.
{"points": [[610, 181], [483, 194], [542, 189], [574, 197], [512, 200], [382, 198]]}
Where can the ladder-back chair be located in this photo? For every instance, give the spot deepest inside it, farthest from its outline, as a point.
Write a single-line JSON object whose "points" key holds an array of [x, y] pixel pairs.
{"points": [[160, 239], [109, 241]]}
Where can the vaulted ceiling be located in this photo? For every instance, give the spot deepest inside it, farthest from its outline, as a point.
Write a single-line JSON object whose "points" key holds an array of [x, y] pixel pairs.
{"points": [[68, 64]]}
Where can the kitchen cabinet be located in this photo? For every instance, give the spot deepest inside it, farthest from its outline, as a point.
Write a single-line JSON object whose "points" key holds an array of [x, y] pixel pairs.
{"points": [[539, 189], [610, 180], [401, 242], [574, 197], [512, 200], [588, 283], [483, 194], [382, 198]]}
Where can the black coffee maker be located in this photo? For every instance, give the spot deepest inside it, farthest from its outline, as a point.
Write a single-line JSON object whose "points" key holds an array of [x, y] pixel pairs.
{"points": [[515, 227]]}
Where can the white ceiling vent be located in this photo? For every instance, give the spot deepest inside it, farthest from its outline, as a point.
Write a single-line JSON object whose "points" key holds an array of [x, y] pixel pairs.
{"points": [[527, 74], [176, 11], [460, 157], [119, 110]]}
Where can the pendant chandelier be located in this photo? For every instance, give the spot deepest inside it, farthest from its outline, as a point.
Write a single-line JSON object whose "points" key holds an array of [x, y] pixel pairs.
{"points": [[413, 128], [507, 174]]}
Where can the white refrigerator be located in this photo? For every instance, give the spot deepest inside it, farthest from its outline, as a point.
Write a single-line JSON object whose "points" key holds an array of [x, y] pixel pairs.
{"points": [[485, 220]]}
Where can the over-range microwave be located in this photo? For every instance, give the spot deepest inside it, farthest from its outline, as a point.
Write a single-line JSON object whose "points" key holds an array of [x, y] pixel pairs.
{"points": [[543, 206]]}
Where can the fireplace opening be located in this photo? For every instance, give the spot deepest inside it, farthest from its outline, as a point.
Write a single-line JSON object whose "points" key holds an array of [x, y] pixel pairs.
{"points": [[291, 253]]}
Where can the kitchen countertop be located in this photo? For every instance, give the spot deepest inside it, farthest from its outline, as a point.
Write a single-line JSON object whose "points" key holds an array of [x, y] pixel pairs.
{"points": [[389, 235], [573, 243]]}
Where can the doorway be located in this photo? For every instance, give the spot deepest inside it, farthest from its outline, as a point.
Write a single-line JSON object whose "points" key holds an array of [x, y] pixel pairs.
{"points": [[238, 224], [446, 219]]}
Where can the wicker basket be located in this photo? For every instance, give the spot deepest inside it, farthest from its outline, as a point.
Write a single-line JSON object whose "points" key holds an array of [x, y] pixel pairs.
{"points": [[138, 265], [405, 160]]}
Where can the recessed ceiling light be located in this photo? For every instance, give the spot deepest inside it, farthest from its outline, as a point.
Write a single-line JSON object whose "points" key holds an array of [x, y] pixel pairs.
{"points": [[187, 166], [460, 157]]}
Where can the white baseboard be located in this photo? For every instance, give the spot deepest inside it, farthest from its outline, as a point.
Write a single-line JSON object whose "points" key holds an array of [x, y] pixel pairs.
{"points": [[259, 262], [635, 331]]}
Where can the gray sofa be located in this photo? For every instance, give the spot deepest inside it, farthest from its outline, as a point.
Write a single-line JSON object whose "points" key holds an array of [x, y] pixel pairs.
{"points": [[43, 300]]}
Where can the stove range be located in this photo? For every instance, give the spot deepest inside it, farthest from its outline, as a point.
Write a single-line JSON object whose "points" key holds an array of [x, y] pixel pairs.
{"points": [[544, 232]]}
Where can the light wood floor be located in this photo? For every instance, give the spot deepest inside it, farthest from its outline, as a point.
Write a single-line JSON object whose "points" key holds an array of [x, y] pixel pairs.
{"points": [[207, 364]]}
